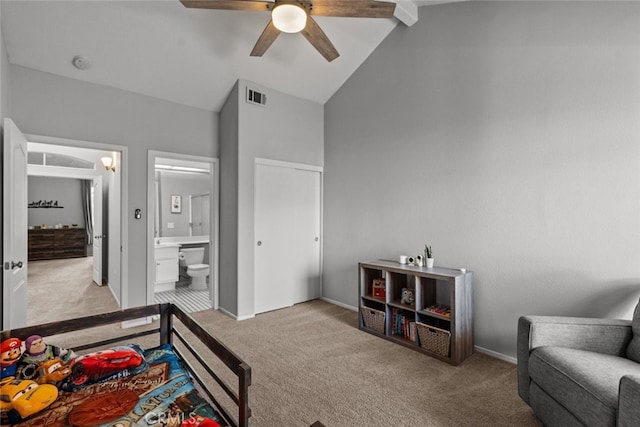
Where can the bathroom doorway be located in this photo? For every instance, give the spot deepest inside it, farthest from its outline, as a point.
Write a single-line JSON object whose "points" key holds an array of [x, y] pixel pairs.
{"points": [[182, 247]]}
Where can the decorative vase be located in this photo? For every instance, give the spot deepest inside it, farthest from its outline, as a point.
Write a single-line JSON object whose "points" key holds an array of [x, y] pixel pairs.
{"points": [[430, 262]]}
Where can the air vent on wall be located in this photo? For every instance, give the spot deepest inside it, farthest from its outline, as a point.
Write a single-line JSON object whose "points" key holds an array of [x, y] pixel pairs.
{"points": [[255, 97]]}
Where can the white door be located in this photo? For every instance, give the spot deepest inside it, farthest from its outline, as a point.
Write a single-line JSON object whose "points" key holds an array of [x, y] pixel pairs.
{"points": [[287, 229], [306, 234], [97, 230], [14, 298], [273, 254]]}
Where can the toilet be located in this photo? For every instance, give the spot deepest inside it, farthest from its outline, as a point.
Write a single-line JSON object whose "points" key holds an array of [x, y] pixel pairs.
{"points": [[192, 259]]}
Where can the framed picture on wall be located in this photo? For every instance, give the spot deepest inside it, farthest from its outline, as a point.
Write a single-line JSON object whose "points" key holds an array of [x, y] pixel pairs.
{"points": [[176, 204]]}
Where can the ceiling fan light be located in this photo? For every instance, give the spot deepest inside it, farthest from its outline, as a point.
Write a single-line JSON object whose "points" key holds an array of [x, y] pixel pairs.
{"points": [[289, 18]]}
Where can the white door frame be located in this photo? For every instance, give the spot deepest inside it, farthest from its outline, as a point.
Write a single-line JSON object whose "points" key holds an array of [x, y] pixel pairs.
{"points": [[214, 229], [121, 169]]}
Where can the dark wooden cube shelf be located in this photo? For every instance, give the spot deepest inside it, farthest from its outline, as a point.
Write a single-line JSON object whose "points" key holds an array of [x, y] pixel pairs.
{"points": [[443, 307]]}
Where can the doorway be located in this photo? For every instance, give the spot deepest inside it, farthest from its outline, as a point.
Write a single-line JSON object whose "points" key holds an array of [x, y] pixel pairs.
{"points": [[95, 281], [183, 242]]}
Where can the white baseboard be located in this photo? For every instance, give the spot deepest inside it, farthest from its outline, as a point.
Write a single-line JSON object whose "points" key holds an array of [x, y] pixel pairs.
{"points": [[496, 355], [233, 316], [115, 297], [135, 322], [339, 304]]}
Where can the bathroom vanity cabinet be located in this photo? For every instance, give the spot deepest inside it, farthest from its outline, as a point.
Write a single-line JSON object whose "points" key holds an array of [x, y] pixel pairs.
{"points": [[167, 267]]}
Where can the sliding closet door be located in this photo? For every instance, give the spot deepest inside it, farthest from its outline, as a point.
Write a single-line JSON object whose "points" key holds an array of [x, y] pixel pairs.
{"points": [[287, 230], [306, 226], [273, 272]]}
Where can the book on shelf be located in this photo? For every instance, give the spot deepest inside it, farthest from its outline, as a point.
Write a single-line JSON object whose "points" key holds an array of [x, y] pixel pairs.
{"points": [[439, 309], [402, 325]]}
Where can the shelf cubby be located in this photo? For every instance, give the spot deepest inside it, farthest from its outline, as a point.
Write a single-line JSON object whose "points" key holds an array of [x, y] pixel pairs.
{"points": [[443, 300]]}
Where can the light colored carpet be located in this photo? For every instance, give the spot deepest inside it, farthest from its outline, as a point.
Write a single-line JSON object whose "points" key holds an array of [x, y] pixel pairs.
{"points": [[63, 289], [311, 363]]}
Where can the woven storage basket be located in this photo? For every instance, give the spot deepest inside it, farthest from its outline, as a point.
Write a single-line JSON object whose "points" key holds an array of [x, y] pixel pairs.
{"points": [[434, 339], [373, 319]]}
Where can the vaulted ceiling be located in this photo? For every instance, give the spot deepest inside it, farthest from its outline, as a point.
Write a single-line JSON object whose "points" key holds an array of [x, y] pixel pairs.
{"points": [[190, 56]]}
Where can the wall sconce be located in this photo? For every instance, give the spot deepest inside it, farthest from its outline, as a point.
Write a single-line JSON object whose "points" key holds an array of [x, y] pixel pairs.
{"points": [[109, 164]]}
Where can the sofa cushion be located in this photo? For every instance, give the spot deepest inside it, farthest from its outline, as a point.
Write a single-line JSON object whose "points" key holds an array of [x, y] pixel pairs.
{"points": [[633, 350], [585, 383]]}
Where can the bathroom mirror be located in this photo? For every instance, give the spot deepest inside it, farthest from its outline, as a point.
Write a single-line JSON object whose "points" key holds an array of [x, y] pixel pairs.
{"points": [[183, 191]]}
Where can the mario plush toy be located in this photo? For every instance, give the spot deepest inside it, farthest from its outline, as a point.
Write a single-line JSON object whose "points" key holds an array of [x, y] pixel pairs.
{"points": [[10, 352]]}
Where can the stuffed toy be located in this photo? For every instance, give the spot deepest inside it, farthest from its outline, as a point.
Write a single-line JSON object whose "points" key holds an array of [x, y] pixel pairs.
{"points": [[38, 352], [10, 352], [407, 296]]}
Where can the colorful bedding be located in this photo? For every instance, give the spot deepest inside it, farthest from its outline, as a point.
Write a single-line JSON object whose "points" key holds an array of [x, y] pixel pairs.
{"points": [[166, 396]]}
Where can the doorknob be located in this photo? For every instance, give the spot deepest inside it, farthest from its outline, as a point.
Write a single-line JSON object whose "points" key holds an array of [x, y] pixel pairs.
{"points": [[316, 239], [16, 264], [96, 237], [259, 242]]}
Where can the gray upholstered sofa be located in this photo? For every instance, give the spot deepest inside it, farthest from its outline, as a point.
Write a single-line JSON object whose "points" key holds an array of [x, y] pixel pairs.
{"points": [[580, 371]]}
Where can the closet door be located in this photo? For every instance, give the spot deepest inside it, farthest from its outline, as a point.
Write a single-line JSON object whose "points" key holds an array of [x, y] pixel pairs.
{"points": [[287, 236], [306, 234]]}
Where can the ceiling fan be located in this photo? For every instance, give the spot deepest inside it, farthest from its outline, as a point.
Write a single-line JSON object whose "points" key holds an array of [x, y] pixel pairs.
{"points": [[292, 16]]}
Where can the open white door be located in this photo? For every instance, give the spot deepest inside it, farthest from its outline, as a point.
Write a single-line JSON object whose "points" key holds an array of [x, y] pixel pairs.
{"points": [[14, 295], [97, 230]]}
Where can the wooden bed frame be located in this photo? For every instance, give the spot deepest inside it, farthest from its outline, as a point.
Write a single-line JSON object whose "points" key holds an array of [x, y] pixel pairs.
{"points": [[166, 331]]}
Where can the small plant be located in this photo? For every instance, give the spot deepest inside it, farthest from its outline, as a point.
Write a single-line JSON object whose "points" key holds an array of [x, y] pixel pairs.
{"points": [[428, 253]]}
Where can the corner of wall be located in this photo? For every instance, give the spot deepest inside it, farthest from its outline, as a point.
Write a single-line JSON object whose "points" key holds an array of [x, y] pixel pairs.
{"points": [[228, 136]]}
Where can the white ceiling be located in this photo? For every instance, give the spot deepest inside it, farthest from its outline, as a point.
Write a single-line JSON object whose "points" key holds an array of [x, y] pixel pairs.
{"points": [[190, 56]]}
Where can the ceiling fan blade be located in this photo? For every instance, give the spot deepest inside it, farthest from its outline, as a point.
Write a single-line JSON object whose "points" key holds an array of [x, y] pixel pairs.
{"points": [[353, 8], [255, 5], [267, 37], [319, 40]]}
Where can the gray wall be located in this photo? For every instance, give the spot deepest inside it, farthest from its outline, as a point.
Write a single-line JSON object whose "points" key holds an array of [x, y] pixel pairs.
{"points": [[287, 129], [229, 130], [4, 112], [507, 136], [50, 105], [179, 184], [66, 191], [4, 79]]}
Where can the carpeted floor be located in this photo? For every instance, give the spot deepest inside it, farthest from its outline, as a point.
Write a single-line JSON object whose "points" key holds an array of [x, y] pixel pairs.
{"points": [[311, 363], [63, 289]]}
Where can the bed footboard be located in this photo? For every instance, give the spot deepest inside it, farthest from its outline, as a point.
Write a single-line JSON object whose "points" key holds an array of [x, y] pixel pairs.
{"points": [[202, 354]]}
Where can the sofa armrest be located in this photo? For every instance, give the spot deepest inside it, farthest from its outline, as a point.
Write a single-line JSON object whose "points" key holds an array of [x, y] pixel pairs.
{"points": [[628, 398], [609, 336]]}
